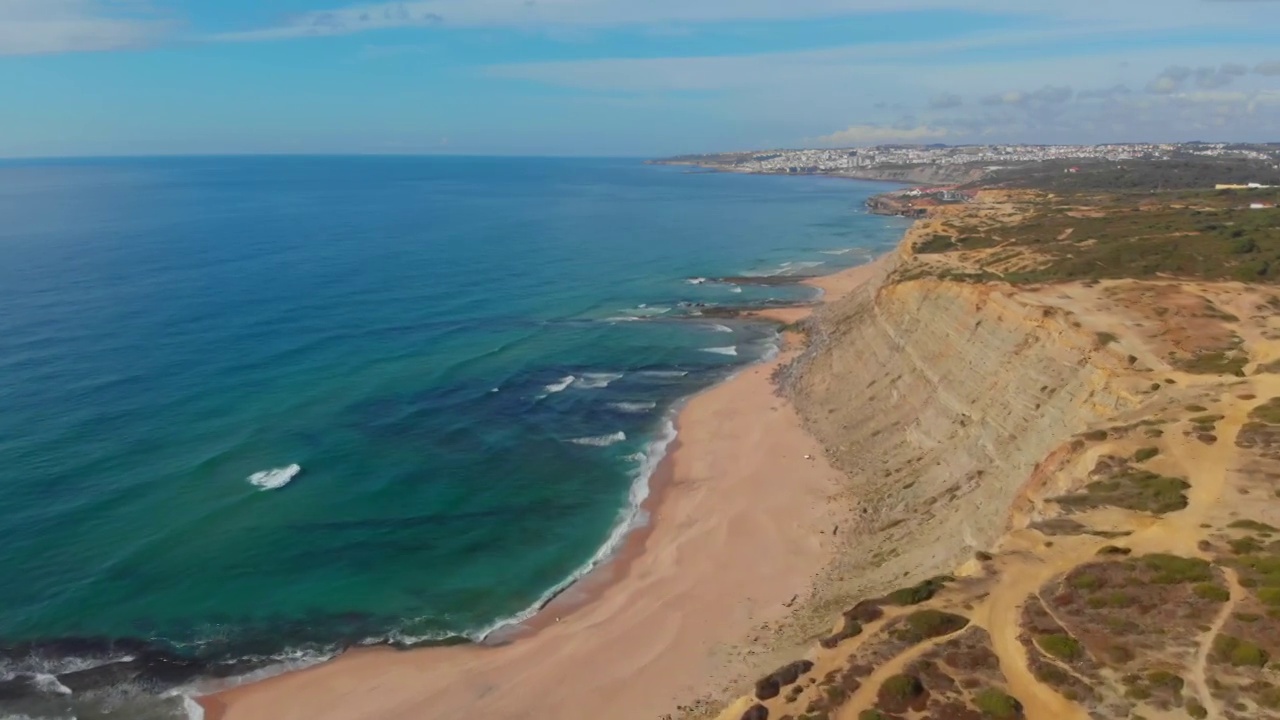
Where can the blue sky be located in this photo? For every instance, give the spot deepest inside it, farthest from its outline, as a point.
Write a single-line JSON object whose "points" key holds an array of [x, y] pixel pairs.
{"points": [[635, 77]]}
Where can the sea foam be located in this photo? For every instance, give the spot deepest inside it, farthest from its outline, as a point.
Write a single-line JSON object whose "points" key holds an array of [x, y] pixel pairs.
{"points": [[730, 350], [560, 384], [275, 478], [600, 440], [665, 373], [595, 381], [631, 517], [633, 407]]}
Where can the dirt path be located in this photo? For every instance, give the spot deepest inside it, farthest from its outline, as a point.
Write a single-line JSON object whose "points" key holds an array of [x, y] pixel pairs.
{"points": [[1020, 577], [1206, 645]]}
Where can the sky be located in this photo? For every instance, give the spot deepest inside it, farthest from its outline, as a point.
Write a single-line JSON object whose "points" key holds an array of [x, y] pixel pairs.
{"points": [[627, 77]]}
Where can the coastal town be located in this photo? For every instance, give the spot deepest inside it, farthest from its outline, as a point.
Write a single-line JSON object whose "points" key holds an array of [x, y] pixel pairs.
{"points": [[854, 161]]}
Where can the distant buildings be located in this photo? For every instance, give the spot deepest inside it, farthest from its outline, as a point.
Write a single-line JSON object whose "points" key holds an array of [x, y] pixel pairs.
{"points": [[852, 161]]}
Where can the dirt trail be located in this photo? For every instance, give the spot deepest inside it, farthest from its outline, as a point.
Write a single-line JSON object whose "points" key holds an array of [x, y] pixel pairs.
{"points": [[1021, 576], [1198, 680]]}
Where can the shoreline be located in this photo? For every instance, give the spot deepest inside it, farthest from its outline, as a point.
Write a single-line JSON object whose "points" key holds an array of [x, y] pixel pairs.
{"points": [[754, 438]]}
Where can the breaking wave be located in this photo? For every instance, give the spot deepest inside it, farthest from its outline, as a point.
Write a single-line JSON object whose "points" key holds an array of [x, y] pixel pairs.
{"points": [[633, 407], [595, 381], [730, 350], [665, 373], [631, 517], [560, 384], [275, 478], [600, 440]]}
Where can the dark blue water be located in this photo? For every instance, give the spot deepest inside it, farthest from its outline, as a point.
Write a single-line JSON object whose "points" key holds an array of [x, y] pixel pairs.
{"points": [[471, 362]]}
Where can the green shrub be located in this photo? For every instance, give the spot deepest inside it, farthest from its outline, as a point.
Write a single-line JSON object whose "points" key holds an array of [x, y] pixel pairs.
{"points": [[924, 624], [1196, 710], [1269, 596], [1268, 412], [1196, 408], [1063, 647], [1172, 569], [1084, 581], [997, 704], [1165, 679], [1252, 525], [917, 594], [1249, 655], [872, 715], [1106, 338], [1113, 550], [1244, 546], [1210, 591], [1145, 454], [1240, 653], [902, 687]]}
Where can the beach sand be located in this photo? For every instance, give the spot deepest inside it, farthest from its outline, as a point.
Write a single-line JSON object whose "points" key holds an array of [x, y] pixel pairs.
{"points": [[741, 522]]}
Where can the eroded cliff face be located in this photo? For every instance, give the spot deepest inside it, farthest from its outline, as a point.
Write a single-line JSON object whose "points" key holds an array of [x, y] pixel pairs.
{"points": [[1065, 501], [939, 399]]}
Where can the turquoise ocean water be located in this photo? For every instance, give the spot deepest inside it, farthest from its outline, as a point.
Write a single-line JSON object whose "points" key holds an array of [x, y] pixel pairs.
{"points": [[471, 362]]}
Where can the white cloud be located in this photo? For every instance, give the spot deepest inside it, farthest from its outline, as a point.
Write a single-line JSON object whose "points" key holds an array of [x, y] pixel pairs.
{"points": [[32, 27], [1268, 68], [343, 20], [1212, 96], [876, 134]]}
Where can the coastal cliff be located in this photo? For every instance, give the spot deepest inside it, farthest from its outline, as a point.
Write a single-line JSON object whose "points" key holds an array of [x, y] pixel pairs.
{"points": [[1063, 492]]}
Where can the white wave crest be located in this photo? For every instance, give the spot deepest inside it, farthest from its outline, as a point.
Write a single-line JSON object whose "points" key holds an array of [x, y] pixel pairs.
{"points": [[721, 328], [846, 251], [643, 311], [631, 517], [808, 264], [735, 289], [50, 684], [275, 478], [665, 373], [287, 661], [696, 280], [560, 384], [594, 381], [601, 440], [633, 407], [730, 350]]}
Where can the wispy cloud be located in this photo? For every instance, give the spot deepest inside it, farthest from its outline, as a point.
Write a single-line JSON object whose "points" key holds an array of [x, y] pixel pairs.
{"points": [[33, 27], [877, 134], [945, 101], [355, 18]]}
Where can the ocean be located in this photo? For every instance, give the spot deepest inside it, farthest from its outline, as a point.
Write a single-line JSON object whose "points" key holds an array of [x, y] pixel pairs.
{"points": [[256, 410]]}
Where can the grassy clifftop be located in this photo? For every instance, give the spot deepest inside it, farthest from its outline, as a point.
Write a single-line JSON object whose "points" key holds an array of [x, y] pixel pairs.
{"points": [[1026, 237]]}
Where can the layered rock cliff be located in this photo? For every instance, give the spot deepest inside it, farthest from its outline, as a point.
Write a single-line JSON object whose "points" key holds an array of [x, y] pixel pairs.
{"points": [[939, 399]]}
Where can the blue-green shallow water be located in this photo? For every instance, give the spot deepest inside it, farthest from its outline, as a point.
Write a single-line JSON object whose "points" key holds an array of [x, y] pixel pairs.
{"points": [[472, 361]]}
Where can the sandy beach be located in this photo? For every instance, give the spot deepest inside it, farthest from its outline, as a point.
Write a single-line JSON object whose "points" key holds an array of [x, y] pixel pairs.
{"points": [[741, 520]]}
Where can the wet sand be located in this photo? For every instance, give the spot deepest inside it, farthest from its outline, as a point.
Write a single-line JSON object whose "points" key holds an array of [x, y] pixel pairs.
{"points": [[733, 538]]}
